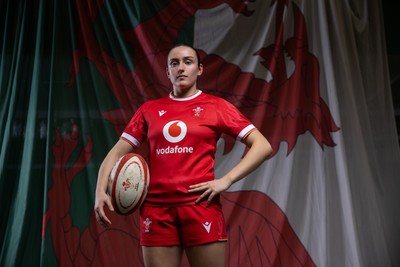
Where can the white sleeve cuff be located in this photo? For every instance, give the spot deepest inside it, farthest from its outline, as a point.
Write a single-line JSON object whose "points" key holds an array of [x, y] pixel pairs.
{"points": [[130, 139], [245, 131]]}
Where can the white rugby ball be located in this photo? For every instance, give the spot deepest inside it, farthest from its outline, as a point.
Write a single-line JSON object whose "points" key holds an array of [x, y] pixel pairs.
{"points": [[128, 183]]}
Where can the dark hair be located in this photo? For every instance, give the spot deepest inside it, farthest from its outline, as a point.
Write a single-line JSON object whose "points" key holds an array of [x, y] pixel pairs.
{"points": [[194, 49]]}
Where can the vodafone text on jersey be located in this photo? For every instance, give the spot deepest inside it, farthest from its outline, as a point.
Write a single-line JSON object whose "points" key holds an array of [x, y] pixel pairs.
{"points": [[174, 132]]}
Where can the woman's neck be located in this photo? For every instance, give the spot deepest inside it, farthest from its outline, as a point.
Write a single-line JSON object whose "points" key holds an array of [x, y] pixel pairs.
{"points": [[184, 93]]}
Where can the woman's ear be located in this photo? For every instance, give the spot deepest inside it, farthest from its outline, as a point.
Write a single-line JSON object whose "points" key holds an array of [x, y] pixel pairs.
{"points": [[200, 70]]}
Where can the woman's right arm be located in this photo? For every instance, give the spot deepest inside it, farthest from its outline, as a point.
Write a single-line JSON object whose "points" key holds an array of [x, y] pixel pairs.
{"points": [[121, 148]]}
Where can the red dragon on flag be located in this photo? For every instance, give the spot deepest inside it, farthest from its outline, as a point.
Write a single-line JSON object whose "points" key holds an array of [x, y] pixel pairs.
{"points": [[283, 109]]}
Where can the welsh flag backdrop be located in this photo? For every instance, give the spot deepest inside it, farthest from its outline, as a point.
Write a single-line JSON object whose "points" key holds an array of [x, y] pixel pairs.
{"points": [[311, 75]]}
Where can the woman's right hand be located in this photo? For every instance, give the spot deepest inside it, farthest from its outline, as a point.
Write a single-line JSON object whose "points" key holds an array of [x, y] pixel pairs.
{"points": [[102, 200], [121, 148]]}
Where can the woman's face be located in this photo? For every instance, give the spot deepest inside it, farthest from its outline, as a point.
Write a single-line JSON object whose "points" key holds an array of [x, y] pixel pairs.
{"points": [[183, 69]]}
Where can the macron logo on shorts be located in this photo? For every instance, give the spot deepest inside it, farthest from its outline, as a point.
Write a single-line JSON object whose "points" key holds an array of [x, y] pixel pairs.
{"points": [[207, 226]]}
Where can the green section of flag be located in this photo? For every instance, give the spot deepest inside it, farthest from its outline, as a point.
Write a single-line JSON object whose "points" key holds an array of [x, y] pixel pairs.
{"points": [[40, 98]]}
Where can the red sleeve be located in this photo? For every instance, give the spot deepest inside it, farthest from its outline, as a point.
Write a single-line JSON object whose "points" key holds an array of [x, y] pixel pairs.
{"points": [[232, 121], [136, 130]]}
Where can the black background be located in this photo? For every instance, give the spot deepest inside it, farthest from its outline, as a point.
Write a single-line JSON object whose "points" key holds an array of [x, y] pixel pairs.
{"points": [[392, 32]]}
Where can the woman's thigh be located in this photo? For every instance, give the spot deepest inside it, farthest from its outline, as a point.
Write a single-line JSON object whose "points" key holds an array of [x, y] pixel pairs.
{"points": [[162, 256], [210, 254]]}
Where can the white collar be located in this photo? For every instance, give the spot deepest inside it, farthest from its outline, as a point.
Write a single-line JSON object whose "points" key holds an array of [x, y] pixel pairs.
{"points": [[171, 96]]}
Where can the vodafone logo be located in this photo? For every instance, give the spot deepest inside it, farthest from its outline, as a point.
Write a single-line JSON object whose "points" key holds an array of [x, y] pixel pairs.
{"points": [[175, 131]]}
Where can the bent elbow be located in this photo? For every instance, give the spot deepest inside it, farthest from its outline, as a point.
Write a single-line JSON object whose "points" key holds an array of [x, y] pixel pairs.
{"points": [[268, 150]]}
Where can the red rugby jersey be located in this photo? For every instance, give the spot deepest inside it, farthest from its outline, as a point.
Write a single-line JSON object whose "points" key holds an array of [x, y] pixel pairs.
{"points": [[182, 134]]}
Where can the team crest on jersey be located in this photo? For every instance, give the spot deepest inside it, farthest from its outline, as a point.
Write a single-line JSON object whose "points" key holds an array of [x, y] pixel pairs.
{"points": [[198, 112]]}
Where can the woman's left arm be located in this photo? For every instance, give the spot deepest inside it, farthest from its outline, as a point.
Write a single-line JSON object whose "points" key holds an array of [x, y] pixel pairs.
{"points": [[259, 150]]}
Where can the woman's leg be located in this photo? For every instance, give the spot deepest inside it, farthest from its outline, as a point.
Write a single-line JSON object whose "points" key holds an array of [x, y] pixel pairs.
{"points": [[210, 254], [162, 256]]}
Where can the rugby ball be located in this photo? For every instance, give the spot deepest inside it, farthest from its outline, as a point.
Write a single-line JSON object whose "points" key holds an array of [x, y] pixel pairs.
{"points": [[128, 183]]}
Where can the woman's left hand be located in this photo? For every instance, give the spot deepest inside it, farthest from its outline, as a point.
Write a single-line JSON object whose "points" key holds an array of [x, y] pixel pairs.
{"points": [[210, 189]]}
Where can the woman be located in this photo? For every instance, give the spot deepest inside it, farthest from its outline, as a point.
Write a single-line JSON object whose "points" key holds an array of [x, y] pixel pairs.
{"points": [[182, 209]]}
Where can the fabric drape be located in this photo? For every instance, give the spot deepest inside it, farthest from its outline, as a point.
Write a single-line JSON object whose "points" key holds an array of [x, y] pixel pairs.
{"points": [[311, 75]]}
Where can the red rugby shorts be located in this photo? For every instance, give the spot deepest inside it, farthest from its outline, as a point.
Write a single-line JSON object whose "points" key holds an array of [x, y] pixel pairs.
{"points": [[186, 226]]}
